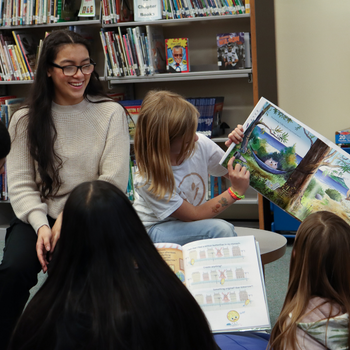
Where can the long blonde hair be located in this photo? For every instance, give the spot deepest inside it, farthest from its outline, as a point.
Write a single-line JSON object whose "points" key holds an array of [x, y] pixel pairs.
{"points": [[319, 266], [164, 116]]}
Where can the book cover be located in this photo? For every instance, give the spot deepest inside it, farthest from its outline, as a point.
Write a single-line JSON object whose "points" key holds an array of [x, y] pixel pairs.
{"points": [[28, 43], [156, 49], [177, 58], [231, 51], [292, 165], [133, 107], [225, 277], [217, 130], [147, 10]]}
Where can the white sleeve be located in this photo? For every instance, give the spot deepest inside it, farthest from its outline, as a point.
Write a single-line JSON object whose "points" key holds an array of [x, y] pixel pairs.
{"points": [[160, 208], [214, 154]]}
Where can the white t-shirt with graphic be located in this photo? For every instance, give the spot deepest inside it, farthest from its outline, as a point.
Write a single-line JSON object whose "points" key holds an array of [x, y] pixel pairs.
{"points": [[191, 181]]}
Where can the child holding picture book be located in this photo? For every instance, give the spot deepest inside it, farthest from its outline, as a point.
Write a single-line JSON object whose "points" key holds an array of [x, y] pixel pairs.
{"points": [[173, 166], [315, 314]]}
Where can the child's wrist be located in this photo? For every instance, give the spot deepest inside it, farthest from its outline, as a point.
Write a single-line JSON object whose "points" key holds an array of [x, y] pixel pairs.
{"points": [[234, 194]]}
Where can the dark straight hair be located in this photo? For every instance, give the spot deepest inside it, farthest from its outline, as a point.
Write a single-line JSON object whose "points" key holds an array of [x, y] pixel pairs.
{"points": [[108, 287]]}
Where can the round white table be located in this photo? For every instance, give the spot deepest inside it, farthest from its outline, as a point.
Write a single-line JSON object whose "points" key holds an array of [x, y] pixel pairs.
{"points": [[272, 245]]}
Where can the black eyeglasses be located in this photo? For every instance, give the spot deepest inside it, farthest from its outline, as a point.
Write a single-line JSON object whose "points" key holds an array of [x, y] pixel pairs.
{"points": [[69, 71]]}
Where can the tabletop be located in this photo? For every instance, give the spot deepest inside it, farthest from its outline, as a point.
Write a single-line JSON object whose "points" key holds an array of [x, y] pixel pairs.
{"points": [[272, 245]]}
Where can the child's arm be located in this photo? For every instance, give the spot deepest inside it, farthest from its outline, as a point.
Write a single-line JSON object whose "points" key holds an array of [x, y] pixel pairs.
{"points": [[239, 178]]}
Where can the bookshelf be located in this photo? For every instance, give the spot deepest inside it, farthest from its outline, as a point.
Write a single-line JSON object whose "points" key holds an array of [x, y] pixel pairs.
{"points": [[241, 88]]}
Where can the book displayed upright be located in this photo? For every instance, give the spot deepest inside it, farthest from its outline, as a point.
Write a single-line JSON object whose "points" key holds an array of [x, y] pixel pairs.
{"points": [[292, 165], [225, 277], [233, 51], [147, 10], [177, 58]]}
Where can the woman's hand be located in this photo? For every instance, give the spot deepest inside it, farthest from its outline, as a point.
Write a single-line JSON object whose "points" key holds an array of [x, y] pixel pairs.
{"points": [[43, 246], [239, 177], [235, 136], [56, 232]]}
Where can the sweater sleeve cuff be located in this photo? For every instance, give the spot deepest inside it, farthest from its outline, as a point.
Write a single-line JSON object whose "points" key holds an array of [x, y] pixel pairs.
{"points": [[37, 219]]}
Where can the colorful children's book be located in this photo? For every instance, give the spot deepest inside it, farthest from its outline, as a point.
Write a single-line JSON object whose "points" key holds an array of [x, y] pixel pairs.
{"points": [[292, 165], [225, 277], [233, 51], [133, 107], [177, 58]]}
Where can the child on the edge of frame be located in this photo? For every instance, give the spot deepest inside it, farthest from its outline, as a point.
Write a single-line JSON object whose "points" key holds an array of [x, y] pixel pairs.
{"points": [[315, 314], [173, 165]]}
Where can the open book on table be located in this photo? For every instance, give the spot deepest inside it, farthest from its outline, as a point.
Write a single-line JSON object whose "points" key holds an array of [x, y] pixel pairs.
{"points": [[292, 165], [225, 277]]}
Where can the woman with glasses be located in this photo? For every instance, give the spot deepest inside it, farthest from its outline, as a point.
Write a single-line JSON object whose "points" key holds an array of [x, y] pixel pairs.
{"points": [[69, 132]]}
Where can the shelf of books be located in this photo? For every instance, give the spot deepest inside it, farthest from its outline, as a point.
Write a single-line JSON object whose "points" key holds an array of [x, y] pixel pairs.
{"points": [[204, 75], [178, 21]]}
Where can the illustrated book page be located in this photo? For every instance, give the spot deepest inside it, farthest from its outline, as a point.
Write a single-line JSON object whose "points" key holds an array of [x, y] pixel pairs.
{"points": [[225, 277], [292, 165]]}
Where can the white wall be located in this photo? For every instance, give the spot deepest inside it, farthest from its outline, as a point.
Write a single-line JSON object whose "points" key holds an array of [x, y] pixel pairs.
{"points": [[313, 62]]}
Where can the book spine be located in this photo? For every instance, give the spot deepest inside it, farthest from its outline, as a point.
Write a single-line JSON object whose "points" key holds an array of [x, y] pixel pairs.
{"points": [[20, 71], [131, 42], [130, 55], [22, 62], [112, 58], [122, 44], [105, 51], [121, 52], [117, 54]]}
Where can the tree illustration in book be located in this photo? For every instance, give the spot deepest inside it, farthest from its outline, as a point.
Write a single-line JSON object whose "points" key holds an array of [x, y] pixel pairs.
{"points": [[292, 165], [231, 51], [177, 59]]}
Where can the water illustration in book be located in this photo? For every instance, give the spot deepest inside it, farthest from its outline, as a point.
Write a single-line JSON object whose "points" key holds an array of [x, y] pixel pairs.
{"points": [[225, 277], [292, 165]]}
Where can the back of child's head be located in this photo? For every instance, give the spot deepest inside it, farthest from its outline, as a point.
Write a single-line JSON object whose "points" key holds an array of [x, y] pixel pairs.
{"points": [[164, 117], [108, 287], [5, 141], [318, 268], [320, 252]]}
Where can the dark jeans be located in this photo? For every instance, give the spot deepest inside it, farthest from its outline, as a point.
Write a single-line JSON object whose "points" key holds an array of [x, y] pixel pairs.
{"points": [[18, 274]]}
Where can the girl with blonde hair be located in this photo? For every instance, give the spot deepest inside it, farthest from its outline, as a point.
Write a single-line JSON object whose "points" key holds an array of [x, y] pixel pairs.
{"points": [[173, 166], [315, 314]]}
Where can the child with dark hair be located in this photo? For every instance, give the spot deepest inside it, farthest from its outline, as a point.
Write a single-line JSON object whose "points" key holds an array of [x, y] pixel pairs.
{"points": [[108, 287]]}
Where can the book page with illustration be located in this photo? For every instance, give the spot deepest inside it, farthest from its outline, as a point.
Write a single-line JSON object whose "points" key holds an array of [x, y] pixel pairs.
{"points": [[292, 165], [225, 277]]}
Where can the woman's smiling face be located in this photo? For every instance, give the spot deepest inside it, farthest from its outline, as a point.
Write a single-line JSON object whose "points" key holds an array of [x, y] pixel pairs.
{"points": [[70, 90]]}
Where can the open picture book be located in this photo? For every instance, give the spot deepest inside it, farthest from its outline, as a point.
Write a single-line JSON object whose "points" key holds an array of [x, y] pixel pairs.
{"points": [[292, 165], [225, 277]]}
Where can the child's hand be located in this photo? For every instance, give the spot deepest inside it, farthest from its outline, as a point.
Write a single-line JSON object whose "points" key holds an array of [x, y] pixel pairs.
{"points": [[235, 136], [239, 177]]}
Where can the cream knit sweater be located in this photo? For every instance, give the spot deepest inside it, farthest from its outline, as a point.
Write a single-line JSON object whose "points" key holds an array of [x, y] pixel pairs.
{"points": [[93, 143]]}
